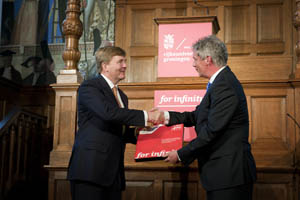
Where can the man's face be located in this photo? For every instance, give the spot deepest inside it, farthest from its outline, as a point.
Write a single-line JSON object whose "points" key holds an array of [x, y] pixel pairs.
{"points": [[200, 65], [115, 69], [39, 67]]}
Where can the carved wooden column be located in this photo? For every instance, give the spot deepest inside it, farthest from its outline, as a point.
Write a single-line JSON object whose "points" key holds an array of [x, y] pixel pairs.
{"points": [[297, 49], [65, 121]]}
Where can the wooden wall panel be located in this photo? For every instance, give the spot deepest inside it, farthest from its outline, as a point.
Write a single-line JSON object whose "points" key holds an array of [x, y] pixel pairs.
{"points": [[271, 191], [139, 190], [270, 23], [143, 69], [272, 133], [180, 190], [250, 29], [173, 12], [237, 24], [141, 104], [143, 28], [269, 118], [275, 185], [59, 187], [176, 182], [259, 67], [269, 131], [198, 11]]}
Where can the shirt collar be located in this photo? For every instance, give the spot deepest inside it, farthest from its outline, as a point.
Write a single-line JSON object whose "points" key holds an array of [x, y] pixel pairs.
{"points": [[212, 78], [110, 83]]}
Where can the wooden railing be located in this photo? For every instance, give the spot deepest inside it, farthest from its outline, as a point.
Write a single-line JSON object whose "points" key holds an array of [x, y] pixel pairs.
{"points": [[24, 149]]}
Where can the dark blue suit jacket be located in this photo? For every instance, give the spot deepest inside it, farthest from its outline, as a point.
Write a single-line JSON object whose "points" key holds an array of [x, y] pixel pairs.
{"points": [[222, 126], [98, 151]]}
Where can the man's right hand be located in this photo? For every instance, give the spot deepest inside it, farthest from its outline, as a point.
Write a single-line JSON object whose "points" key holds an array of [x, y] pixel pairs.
{"points": [[156, 116]]}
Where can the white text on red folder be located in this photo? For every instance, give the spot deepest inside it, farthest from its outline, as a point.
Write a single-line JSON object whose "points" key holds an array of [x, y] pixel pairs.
{"points": [[162, 153]]}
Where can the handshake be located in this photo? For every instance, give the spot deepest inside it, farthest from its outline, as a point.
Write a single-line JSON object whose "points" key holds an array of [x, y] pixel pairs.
{"points": [[156, 116]]}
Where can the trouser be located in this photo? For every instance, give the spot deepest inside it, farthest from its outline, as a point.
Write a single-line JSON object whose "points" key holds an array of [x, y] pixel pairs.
{"points": [[241, 192], [83, 190]]}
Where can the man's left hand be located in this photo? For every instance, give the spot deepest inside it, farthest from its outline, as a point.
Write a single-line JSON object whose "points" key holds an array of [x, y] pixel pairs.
{"points": [[172, 157]]}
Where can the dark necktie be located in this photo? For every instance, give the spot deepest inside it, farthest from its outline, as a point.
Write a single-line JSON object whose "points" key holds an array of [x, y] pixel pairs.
{"points": [[208, 85]]}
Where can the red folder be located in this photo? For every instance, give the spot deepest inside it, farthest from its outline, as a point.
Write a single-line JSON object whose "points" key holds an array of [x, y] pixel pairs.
{"points": [[154, 144]]}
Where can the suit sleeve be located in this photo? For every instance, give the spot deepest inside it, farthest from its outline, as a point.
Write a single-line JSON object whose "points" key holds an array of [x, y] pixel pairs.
{"points": [[97, 101], [130, 136], [186, 118], [223, 104]]}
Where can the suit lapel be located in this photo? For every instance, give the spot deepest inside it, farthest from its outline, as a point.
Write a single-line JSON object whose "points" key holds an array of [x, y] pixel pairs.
{"points": [[124, 98], [203, 108], [105, 87], [110, 93]]}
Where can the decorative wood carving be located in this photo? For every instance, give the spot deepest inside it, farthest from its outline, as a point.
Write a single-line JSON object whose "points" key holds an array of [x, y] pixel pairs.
{"points": [[72, 30]]}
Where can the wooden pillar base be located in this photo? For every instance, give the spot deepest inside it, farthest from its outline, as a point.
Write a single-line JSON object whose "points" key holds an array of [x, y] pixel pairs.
{"points": [[65, 124], [69, 76], [58, 185]]}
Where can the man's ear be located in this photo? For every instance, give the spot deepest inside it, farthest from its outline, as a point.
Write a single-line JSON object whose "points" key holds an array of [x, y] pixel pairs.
{"points": [[104, 67], [208, 60]]}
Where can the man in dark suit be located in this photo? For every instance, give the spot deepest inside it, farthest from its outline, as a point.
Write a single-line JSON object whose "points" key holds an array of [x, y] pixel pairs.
{"points": [[7, 70], [96, 168], [41, 75], [226, 165]]}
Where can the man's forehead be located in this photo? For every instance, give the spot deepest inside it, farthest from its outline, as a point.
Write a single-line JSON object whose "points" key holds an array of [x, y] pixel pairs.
{"points": [[118, 58]]}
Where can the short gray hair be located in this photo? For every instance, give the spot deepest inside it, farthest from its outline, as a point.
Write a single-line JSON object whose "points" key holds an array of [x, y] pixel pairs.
{"points": [[213, 47]]}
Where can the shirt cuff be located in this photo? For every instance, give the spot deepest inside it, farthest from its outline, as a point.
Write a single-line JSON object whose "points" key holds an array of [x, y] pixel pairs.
{"points": [[178, 157], [167, 117], [146, 117]]}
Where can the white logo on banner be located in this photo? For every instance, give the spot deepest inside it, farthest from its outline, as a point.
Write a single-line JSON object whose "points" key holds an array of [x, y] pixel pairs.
{"points": [[168, 41]]}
